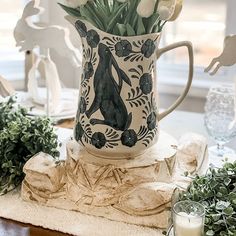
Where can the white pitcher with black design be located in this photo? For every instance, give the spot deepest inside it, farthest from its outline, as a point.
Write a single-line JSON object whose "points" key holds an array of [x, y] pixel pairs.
{"points": [[118, 116]]}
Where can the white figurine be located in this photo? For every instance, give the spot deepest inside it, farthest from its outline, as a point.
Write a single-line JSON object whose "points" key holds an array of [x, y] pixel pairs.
{"points": [[53, 84], [227, 57], [28, 36]]}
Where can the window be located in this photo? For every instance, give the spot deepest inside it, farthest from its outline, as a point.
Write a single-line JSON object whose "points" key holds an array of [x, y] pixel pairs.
{"points": [[204, 23], [11, 61]]}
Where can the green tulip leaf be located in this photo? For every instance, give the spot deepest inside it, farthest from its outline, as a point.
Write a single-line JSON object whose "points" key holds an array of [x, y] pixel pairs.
{"points": [[130, 30]]}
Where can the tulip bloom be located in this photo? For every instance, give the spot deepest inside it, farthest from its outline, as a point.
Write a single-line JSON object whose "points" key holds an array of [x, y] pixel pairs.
{"points": [[146, 8]]}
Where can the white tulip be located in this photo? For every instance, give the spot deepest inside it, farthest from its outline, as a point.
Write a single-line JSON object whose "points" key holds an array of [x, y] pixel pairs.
{"points": [[166, 9], [73, 3], [177, 11], [146, 8], [164, 13], [174, 7]]}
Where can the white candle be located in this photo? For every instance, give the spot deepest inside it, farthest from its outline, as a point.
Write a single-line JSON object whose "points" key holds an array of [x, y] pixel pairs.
{"points": [[188, 225]]}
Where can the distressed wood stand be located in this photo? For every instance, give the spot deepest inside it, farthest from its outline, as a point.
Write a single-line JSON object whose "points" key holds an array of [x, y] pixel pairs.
{"points": [[137, 191]]}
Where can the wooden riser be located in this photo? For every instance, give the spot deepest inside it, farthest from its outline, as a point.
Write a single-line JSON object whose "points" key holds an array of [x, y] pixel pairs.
{"points": [[137, 191]]}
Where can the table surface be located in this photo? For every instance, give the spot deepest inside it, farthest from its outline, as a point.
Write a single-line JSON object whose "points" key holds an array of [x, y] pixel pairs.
{"points": [[176, 124]]}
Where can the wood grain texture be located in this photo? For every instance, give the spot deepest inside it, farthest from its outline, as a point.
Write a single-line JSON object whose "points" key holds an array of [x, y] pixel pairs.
{"points": [[135, 191], [13, 228], [68, 124]]}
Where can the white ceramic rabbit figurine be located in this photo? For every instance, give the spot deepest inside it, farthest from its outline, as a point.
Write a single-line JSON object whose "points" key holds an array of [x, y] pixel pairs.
{"points": [[53, 85], [227, 57], [28, 36]]}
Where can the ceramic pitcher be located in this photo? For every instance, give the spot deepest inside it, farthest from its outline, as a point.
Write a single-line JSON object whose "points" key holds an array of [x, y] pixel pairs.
{"points": [[118, 115]]}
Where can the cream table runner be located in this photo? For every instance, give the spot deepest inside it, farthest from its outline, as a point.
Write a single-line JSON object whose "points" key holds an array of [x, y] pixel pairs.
{"points": [[12, 207]]}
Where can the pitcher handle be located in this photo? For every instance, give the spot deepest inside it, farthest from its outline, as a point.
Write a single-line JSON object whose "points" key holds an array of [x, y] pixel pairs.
{"points": [[190, 74]]}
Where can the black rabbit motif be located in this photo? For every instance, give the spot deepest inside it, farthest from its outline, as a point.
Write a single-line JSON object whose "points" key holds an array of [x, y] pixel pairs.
{"points": [[107, 93]]}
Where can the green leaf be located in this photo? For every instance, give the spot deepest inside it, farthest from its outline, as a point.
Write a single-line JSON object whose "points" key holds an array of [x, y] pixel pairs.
{"points": [[231, 220], [131, 11], [97, 15], [140, 29], [210, 233], [152, 22], [87, 13], [227, 181], [221, 205], [228, 211], [113, 20], [216, 217], [122, 29], [232, 196], [229, 165], [130, 30], [223, 190], [102, 8]]}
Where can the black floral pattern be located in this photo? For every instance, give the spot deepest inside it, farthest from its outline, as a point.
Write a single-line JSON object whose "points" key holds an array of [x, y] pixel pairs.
{"points": [[101, 58], [152, 121], [79, 132], [129, 138], [123, 48], [98, 140], [146, 84], [148, 48], [93, 38], [81, 28], [88, 70], [82, 105]]}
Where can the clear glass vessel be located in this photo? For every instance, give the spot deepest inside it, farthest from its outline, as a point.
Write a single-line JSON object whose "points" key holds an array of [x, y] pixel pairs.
{"points": [[220, 118], [188, 218]]}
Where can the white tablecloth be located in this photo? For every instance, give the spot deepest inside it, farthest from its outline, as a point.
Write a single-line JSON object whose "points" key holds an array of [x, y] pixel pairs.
{"points": [[180, 122]]}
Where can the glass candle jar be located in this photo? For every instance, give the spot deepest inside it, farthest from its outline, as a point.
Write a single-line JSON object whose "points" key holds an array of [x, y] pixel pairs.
{"points": [[188, 218]]}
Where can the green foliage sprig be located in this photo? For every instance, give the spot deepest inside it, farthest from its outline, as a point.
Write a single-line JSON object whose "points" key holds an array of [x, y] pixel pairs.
{"points": [[21, 137], [217, 192], [117, 17]]}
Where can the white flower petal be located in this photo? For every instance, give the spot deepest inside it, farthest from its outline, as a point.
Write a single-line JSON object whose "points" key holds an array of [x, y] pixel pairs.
{"points": [[170, 5], [146, 8], [177, 11], [164, 13]]}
